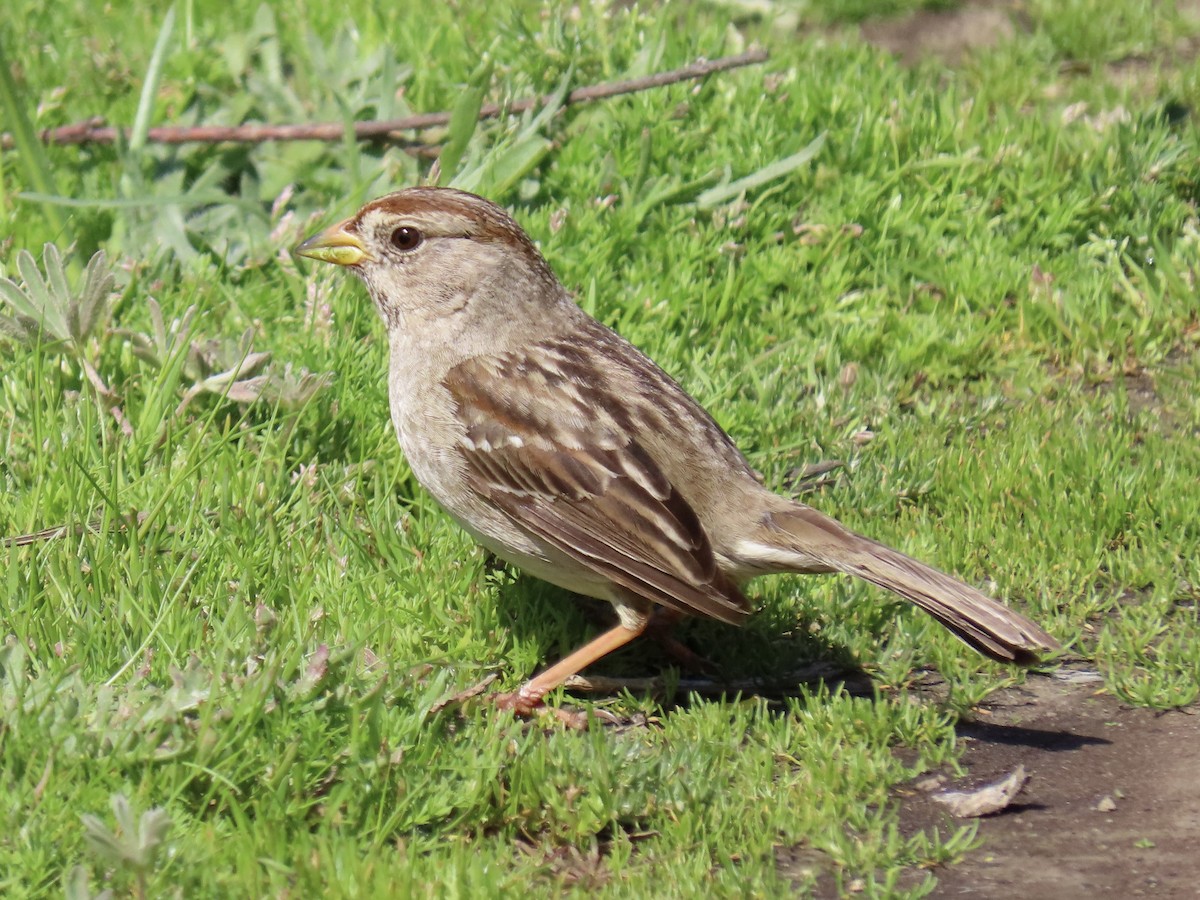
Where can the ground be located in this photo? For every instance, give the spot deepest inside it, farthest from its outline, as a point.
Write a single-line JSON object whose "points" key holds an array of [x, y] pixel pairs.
{"points": [[1112, 807], [228, 670]]}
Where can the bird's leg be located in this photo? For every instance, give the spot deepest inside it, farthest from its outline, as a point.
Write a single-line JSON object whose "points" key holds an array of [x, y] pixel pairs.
{"points": [[662, 622], [529, 697]]}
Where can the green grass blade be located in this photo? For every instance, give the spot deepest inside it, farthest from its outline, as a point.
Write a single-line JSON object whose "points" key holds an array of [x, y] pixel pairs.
{"points": [[145, 108], [189, 200], [724, 193], [30, 152], [464, 121]]}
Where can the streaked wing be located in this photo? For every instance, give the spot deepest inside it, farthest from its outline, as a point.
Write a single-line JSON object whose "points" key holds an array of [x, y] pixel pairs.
{"points": [[562, 471]]}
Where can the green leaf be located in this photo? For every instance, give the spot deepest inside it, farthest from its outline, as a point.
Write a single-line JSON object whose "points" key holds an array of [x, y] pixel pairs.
{"points": [[18, 299], [725, 193], [513, 158], [464, 121], [30, 152], [49, 315], [93, 296], [189, 200], [504, 168], [49, 304], [145, 108]]}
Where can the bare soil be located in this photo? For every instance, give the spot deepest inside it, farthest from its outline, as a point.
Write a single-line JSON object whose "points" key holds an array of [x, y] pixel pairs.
{"points": [[1112, 808], [949, 34]]}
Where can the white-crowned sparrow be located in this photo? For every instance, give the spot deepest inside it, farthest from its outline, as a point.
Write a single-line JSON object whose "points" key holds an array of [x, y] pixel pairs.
{"points": [[563, 449]]}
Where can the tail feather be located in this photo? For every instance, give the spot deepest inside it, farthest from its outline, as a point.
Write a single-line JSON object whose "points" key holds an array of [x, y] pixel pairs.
{"points": [[981, 622], [990, 627]]}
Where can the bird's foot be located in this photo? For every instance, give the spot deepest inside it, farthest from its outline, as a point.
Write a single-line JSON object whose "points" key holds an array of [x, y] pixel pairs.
{"points": [[517, 703], [525, 706]]}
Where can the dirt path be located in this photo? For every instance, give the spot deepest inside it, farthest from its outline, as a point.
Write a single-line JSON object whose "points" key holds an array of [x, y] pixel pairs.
{"points": [[1113, 805], [1112, 808]]}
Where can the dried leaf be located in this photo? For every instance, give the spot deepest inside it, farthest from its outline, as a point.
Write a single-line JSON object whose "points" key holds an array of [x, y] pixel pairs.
{"points": [[983, 801]]}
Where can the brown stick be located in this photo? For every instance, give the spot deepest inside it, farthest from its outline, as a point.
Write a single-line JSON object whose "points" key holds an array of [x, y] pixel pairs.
{"points": [[780, 685], [95, 526], [94, 130]]}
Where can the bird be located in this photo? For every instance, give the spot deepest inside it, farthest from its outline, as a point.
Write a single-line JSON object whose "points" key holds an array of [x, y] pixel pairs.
{"points": [[564, 450]]}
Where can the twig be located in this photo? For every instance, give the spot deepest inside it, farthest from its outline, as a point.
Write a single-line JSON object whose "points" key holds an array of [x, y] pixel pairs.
{"points": [[463, 696], [94, 131], [812, 476], [95, 526], [779, 685]]}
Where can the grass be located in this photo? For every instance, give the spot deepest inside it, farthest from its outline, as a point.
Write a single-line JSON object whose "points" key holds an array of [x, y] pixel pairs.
{"points": [[980, 294]]}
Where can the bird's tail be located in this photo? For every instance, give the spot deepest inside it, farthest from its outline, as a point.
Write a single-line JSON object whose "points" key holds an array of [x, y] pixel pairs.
{"points": [[993, 629]]}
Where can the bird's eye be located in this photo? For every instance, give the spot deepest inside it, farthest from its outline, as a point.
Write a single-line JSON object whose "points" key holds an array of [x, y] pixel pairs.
{"points": [[406, 238]]}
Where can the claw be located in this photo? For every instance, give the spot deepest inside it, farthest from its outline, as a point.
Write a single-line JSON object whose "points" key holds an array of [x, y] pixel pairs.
{"points": [[517, 703], [526, 707]]}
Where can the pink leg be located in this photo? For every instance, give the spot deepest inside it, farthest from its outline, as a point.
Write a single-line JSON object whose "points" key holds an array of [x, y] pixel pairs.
{"points": [[531, 693]]}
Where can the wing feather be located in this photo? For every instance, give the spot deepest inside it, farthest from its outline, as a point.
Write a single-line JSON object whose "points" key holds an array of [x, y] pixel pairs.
{"points": [[578, 482]]}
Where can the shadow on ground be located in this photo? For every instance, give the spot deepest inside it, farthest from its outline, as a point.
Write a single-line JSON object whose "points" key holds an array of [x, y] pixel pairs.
{"points": [[1112, 807]]}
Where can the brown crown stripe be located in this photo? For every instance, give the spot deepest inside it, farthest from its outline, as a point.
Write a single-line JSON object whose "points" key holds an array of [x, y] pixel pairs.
{"points": [[463, 214]]}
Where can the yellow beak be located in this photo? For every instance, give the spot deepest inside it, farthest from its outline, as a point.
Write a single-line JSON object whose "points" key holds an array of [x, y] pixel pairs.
{"points": [[335, 245]]}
